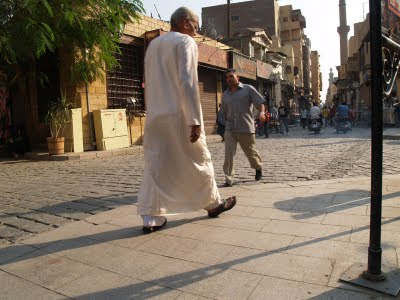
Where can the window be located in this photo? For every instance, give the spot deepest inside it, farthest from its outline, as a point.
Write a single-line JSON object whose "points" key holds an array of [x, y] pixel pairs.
{"points": [[235, 18], [210, 20], [288, 70], [125, 81]]}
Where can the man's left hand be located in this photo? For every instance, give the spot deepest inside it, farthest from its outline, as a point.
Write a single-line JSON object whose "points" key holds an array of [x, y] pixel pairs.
{"points": [[195, 134]]}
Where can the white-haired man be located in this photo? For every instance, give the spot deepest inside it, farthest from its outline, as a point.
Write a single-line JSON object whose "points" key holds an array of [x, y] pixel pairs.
{"points": [[178, 172]]}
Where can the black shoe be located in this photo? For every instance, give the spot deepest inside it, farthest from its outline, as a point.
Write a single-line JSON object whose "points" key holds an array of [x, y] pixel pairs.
{"points": [[258, 175], [226, 184], [226, 205], [148, 230]]}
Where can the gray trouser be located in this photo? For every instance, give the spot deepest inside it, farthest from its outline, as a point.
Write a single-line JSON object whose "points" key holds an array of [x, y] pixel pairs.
{"points": [[284, 122], [247, 142]]}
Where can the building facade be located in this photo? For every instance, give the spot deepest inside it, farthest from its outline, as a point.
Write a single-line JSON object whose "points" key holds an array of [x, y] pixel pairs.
{"points": [[262, 14], [293, 24], [316, 77], [307, 66]]}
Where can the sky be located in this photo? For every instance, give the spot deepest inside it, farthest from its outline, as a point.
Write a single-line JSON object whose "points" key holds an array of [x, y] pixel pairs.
{"points": [[322, 18]]}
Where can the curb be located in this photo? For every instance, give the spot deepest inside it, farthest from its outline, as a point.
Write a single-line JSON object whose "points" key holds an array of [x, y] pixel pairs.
{"points": [[391, 137], [90, 155]]}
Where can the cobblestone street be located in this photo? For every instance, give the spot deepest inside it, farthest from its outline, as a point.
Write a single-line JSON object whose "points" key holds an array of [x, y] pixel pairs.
{"points": [[38, 196]]}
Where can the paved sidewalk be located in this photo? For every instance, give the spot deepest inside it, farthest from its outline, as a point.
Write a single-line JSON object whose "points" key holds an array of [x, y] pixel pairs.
{"points": [[282, 241]]}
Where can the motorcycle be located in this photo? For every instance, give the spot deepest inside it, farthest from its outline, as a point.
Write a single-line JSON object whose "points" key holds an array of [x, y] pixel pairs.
{"points": [[315, 126], [343, 125]]}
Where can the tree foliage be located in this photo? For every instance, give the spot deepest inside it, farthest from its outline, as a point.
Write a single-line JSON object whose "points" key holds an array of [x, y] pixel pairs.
{"points": [[89, 29]]}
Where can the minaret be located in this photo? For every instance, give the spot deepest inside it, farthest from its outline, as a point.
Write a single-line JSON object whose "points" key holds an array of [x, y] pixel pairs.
{"points": [[330, 77], [343, 30]]}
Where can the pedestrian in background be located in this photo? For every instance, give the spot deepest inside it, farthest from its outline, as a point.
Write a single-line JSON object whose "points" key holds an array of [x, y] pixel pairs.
{"points": [[325, 116], [220, 123], [304, 117], [274, 112], [238, 103], [332, 114], [283, 113], [397, 113], [352, 118], [267, 119], [178, 172]]}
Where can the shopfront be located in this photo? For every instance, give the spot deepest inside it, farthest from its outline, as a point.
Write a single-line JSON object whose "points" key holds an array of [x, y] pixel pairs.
{"points": [[213, 62], [266, 85]]}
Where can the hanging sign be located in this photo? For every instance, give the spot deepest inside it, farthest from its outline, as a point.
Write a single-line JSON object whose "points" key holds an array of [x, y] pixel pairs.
{"points": [[264, 70], [245, 67]]}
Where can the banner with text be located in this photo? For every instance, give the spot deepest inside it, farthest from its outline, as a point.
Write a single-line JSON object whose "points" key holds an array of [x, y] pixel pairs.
{"points": [[244, 66]]}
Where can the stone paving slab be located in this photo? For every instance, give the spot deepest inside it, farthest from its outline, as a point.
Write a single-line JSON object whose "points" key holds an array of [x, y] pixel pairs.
{"points": [[13, 287], [102, 284], [276, 288], [254, 252]]}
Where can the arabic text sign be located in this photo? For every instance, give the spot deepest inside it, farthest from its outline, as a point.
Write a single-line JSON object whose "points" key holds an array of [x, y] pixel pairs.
{"points": [[245, 67], [264, 70]]}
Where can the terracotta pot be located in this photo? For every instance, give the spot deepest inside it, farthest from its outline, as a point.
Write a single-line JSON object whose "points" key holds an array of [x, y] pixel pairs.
{"points": [[55, 145]]}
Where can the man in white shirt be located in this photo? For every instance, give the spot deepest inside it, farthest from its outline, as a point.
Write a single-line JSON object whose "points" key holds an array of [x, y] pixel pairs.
{"points": [[178, 172]]}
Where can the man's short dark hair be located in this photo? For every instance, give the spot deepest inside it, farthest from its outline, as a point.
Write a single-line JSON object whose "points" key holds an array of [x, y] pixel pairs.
{"points": [[231, 71]]}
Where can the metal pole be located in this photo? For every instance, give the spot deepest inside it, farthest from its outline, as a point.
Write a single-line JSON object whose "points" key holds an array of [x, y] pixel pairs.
{"points": [[374, 271], [229, 18]]}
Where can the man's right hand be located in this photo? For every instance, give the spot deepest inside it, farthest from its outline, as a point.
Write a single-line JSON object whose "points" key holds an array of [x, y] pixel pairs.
{"points": [[195, 133]]}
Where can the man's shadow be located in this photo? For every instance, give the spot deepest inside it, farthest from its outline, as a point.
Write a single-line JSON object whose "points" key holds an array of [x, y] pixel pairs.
{"points": [[17, 253]]}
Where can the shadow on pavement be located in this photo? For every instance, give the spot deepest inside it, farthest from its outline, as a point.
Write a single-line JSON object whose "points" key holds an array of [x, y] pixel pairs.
{"points": [[70, 210], [340, 292], [78, 242], [311, 206]]}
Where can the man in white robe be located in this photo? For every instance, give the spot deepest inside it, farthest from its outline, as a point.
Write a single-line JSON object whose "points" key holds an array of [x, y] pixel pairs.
{"points": [[178, 172]]}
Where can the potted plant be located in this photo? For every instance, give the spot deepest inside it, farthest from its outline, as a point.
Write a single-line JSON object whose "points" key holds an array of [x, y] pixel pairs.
{"points": [[58, 116]]}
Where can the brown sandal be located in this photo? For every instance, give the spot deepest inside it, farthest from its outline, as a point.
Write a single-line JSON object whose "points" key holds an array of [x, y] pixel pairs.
{"points": [[226, 205]]}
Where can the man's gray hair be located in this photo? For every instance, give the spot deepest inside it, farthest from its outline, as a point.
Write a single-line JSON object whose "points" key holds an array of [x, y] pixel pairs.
{"points": [[181, 14]]}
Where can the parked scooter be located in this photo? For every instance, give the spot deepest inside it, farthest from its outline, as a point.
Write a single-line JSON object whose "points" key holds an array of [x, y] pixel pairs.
{"points": [[343, 125], [314, 126]]}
